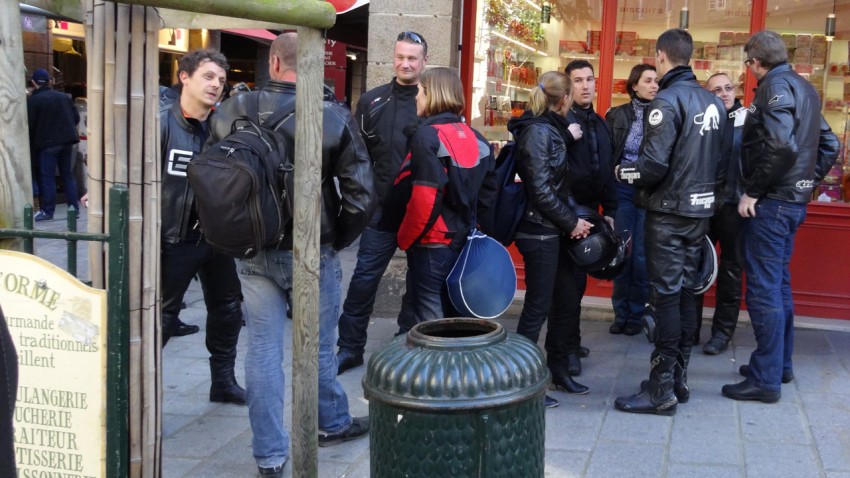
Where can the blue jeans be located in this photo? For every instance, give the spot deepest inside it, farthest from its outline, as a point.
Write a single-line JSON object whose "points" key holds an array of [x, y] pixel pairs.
{"points": [[48, 159], [373, 257], [631, 286], [768, 241], [427, 295], [266, 279]]}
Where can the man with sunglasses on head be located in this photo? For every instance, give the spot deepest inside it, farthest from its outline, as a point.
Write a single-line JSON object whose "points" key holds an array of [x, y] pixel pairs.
{"points": [[726, 223], [384, 114], [787, 150]]}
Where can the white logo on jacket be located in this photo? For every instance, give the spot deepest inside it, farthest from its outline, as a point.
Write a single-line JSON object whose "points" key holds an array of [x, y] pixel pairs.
{"points": [[702, 199], [708, 120], [804, 184], [629, 175], [655, 117], [178, 162]]}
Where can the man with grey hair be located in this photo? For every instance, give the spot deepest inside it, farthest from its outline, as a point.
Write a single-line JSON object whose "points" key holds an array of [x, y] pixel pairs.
{"points": [[347, 201], [787, 150]]}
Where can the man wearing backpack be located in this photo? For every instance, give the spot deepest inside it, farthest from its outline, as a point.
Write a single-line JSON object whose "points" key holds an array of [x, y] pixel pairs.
{"points": [[383, 113], [184, 130], [347, 201]]}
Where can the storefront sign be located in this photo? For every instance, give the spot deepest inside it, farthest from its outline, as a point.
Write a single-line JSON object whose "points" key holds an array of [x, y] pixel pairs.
{"points": [[335, 67], [58, 325]]}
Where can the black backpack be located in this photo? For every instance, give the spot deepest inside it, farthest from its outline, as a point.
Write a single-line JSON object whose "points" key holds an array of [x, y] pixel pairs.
{"points": [[509, 205], [243, 185]]}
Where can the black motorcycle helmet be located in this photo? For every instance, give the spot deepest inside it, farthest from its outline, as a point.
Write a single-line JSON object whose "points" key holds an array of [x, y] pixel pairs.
{"points": [[602, 252]]}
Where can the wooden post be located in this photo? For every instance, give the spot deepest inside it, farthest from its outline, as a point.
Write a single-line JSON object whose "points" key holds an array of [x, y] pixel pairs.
{"points": [[15, 171], [306, 235]]}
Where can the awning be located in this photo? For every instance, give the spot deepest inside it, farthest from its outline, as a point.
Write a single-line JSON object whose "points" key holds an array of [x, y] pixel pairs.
{"points": [[263, 36], [343, 6]]}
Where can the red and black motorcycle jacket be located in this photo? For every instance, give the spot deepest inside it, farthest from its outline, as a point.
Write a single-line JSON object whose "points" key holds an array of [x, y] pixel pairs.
{"points": [[448, 172]]}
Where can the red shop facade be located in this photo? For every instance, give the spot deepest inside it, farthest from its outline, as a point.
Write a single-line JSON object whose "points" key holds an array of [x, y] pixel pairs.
{"points": [[514, 41]]}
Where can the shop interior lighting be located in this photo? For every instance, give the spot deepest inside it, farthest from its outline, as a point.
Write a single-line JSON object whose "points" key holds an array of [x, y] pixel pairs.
{"points": [[683, 18], [545, 12], [517, 42], [829, 31]]}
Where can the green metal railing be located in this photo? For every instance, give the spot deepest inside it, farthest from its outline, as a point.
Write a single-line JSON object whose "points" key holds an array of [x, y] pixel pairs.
{"points": [[118, 314]]}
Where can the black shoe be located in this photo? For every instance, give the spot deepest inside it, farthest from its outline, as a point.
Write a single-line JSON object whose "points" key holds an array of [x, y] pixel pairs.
{"points": [[224, 388], [616, 328], [551, 402], [43, 216], [583, 352], [184, 329], [227, 393], [573, 364], [272, 471], [347, 360], [358, 428], [567, 384], [656, 395], [715, 345], [747, 390], [787, 374], [632, 329]]}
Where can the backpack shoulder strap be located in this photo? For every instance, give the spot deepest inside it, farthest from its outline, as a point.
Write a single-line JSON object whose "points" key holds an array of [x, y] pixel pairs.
{"points": [[278, 115]]}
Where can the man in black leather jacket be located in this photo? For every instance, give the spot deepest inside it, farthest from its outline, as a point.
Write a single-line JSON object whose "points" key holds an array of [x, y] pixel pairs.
{"points": [[725, 225], [787, 150], [184, 129], [384, 114], [347, 202], [591, 178], [674, 176]]}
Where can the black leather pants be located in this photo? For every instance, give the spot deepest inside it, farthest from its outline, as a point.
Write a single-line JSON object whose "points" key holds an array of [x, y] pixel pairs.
{"points": [[724, 229], [221, 288], [672, 248]]}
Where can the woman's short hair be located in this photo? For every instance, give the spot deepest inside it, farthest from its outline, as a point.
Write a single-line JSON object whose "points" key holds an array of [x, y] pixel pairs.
{"points": [[443, 91], [551, 88], [767, 47], [634, 77]]}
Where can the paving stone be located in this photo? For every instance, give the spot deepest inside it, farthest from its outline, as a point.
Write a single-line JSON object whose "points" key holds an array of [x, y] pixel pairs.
{"points": [[634, 427], [705, 439], [689, 470], [563, 463], [780, 422], [780, 460], [626, 460], [201, 437]]}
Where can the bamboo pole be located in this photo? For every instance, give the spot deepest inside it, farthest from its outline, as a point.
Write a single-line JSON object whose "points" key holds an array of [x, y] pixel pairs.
{"points": [[95, 142], [108, 100], [152, 338], [128, 171], [306, 234], [15, 172]]}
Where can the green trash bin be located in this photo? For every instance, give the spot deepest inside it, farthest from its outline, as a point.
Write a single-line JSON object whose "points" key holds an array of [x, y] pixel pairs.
{"points": [[457, 398]]}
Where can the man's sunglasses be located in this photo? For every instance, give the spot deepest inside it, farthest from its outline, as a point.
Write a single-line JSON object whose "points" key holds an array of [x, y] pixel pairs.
{"points": [[414, 37]]}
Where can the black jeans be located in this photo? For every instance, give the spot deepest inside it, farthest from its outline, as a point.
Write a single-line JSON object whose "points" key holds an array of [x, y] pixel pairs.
{"points": [[672, 250], [222, 293], [725, 228], [8, 394], [552, 290]]}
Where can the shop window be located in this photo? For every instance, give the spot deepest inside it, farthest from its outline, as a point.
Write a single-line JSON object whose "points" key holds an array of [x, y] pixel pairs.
{"points": [[824, 62], [720, 29], [518, 40]]}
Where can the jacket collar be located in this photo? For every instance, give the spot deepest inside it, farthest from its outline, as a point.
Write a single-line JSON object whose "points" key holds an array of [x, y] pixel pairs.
{"points": [[776, 70], [288, 87], [442, 118], [403, 90], [677, 74], [40, 89]]}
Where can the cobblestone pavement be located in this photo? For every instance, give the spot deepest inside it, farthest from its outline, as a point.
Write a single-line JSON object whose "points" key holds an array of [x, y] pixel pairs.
{"points": [[806, 434]]}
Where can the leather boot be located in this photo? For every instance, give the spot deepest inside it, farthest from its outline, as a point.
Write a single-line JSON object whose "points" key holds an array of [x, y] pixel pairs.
{"points": [[224, 387], [658, 397], [680, 376], [561, 380]]}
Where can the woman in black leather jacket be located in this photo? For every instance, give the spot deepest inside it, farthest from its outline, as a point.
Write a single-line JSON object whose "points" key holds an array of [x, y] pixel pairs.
{"points": [[547, 225], [631, 286]]}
